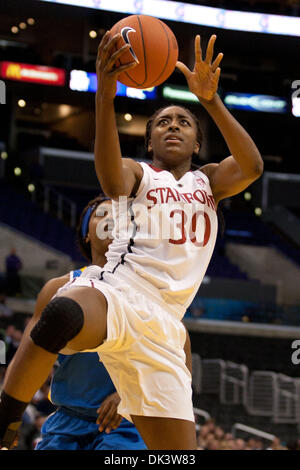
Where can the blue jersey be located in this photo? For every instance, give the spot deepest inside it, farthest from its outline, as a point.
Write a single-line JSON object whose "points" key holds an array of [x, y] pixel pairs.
{"points": [[81, 382]]}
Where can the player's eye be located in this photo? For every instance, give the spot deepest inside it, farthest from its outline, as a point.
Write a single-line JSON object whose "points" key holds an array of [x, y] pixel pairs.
{"points": [[163, 121], [185, 122]]}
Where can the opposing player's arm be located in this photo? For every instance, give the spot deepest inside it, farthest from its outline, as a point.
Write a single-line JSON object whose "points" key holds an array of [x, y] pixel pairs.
{"points": [[44, 297]]}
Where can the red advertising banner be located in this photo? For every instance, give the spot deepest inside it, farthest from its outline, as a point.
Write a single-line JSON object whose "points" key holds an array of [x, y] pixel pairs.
{"points": [[32, 73]]}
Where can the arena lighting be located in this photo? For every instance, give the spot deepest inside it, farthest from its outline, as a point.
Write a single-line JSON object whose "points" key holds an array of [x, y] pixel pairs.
{"points": [[17, 171], [86, 81], [14, 29], [128, 117], [179, 93], [250, 102], [197, 14], [4, 155], [247, 196], [93, 34], [258, 211], [22, 103], [296, 107], [31, 188]]}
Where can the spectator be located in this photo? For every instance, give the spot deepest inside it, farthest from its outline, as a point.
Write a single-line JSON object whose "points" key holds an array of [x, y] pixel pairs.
{"points": [[12, 339], [240, 444], [5, 311], [293, 445], [13, 266], [251, 443], [219, 433], [211, 424], [201, 437], [213, 444], [2, 374], [276, 445], [210, 436], [259, 444]]}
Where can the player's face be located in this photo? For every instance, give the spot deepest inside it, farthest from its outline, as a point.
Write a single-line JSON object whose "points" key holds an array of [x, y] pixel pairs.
{"points": [[100, 227], [173, 135]]}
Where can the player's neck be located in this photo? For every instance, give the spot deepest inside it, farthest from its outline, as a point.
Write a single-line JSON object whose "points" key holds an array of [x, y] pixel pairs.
{"points": [[98, 259], [177, 170]]}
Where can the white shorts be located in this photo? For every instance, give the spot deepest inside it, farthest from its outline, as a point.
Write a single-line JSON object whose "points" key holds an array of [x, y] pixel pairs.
{"points": [[143, 352]]}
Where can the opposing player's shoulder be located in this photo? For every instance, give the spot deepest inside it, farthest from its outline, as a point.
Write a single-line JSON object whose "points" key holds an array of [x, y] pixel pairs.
{"points": [[57, 282], [51, 286], [48, 291]]}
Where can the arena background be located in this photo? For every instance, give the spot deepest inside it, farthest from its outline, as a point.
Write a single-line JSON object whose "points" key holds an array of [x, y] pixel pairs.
{"points": [[246, 317]]}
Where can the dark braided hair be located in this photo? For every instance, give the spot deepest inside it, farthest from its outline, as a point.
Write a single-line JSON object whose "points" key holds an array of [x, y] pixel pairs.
{"points": [[151, 119], [85, 247]]}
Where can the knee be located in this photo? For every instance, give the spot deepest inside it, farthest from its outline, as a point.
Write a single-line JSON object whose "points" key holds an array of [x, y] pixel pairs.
{"points": [[61, 320]]}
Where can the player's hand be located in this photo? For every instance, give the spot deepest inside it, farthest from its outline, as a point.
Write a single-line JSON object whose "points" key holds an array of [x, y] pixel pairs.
{"points": [[106, 65], [203, 80], [108, 418]]}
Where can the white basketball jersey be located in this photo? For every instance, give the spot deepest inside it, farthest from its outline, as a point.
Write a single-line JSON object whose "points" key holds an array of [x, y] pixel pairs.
{"points": [[166, 234]]}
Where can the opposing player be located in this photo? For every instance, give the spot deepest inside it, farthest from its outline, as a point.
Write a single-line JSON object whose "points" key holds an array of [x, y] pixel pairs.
{"points": [[131, 310], [81, 386]]}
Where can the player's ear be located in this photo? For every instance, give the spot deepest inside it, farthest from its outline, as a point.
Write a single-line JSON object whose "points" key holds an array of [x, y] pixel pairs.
{"points": [[197, 147], [87, 238], [149, 148]]}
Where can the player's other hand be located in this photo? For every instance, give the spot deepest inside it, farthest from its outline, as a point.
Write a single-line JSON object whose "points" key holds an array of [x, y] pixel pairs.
{"points": [[108, 418], [204, 78]]}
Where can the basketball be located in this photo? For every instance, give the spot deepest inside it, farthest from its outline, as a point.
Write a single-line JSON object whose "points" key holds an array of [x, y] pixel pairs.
{"points": [[153, 44]]}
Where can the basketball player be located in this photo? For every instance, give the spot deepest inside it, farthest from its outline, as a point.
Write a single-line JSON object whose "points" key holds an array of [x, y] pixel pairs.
{"points": [[81, 385], [112, 309]]}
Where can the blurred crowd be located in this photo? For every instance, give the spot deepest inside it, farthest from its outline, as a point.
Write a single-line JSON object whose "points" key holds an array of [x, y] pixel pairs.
{"points": [[211, 436]]}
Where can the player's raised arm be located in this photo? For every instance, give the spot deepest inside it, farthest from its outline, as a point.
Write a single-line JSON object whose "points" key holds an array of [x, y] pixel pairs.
{"points": [[116, 177], [245, 164]]}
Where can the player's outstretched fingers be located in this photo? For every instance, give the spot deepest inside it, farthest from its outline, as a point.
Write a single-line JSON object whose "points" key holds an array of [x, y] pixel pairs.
{"points": [[216, 62], [210, 49]]}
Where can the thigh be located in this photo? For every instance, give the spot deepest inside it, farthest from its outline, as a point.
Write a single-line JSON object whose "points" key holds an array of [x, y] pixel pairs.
{"points": [[94, 306], [62, 431], [58, 442], [125, 437], [166, 433]]}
